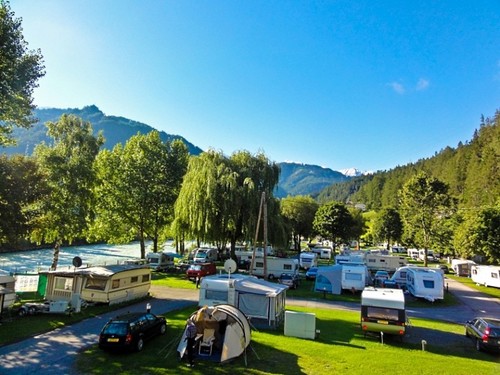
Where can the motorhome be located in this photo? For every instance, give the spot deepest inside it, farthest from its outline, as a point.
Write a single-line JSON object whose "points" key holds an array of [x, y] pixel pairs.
{"points": [[462, 267], [206, 254], [389, 263], [275, 267], [256, 298], [355, 276], [383, 310], [308, 259], [427, 283], [486, 275], [160, 261]]}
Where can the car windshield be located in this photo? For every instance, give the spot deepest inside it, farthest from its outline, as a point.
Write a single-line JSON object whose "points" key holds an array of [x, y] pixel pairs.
{"points": [[115, 329], [195, 267]]}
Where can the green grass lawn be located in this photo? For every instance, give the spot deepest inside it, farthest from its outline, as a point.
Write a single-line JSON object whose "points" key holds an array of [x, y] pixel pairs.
{"points": [[340, 349]]}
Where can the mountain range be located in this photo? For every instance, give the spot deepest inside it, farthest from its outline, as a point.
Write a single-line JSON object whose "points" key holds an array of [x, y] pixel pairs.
{"points": [[295, 178]]}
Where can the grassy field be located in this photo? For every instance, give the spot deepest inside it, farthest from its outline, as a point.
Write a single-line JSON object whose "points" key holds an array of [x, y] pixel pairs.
{"points": [[340, 349]]}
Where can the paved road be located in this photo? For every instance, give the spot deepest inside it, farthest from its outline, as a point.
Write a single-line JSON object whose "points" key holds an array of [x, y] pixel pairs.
{"points": [[56, 350]]}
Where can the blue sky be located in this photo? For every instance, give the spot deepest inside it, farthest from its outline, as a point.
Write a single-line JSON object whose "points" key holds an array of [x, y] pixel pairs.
{"points": [[364, 84]]}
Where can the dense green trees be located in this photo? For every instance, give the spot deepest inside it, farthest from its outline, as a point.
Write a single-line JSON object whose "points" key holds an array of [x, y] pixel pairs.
{"points": [[68, 174], [20, 70], [388, 226], [334, 222], [298, 213], [137, 188]]}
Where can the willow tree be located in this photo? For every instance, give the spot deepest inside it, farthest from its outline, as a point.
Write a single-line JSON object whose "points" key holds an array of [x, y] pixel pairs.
{"points": [[67, 169], [425, 206], [137, 187]]}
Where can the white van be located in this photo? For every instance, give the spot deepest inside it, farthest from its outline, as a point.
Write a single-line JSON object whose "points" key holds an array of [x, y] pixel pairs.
{"points": [[205, 254]]}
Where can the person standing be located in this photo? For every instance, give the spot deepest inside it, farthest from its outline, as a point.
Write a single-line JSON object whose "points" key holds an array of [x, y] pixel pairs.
{"points": [[191, 333]]}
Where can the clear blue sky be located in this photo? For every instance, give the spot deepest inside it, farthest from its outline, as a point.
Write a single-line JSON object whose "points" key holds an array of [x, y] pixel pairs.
{"points": [[365, 84]]}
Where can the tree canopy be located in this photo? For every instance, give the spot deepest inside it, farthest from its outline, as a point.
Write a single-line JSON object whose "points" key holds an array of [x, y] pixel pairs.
{"points": [[333, 222]]}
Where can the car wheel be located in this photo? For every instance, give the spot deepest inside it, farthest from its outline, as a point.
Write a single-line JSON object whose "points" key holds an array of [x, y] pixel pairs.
{"points": [[467, 333], [31, 310], [163, 329], [22, 312], [478, 345], [140, 344]]}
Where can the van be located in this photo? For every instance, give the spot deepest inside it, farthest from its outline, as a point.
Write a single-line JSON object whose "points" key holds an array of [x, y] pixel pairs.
{"points": [[199, 270], [383, 310], [205, 254]]}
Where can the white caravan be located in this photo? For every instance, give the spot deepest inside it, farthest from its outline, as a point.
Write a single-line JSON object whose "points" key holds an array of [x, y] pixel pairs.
{"points": [[355, 276], [462, 267], [399, 277], [383, 310], [413, 253], [423, 282], [7, 290], [389, 263], [308, 259], [351, 257], [323, 252], [486, 275], [160, 261], [275, 267], [206, 254], [430, 255]]}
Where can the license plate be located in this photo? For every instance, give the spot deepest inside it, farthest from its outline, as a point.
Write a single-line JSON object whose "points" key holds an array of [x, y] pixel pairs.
{"points": [[113, 340], [382, 322]]}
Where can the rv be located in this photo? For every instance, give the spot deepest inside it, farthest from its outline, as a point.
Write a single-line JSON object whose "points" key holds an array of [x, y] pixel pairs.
{"points": [[323, 252], [351, 257], [423, 282], [383, 310], [462, 267], [160, 261], [486, 275], [430, 255], [275, 267], [398, 278], [308, 260], [413, 253], [355, 276], [206, 254], [256, 298], [398, 250], [389, 263]]}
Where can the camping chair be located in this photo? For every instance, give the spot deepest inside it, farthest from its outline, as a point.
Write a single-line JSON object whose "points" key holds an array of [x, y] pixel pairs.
{"points": [[207, 341]]}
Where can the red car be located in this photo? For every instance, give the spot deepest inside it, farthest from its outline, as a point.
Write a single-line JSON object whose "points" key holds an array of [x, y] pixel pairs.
{"points": [[199, 270]]}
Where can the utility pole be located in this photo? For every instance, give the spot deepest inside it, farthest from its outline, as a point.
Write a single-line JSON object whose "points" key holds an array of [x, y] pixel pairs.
{"points": [[262, 212]]}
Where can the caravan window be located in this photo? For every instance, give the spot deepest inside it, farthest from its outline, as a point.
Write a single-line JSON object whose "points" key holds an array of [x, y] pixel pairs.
{"points": [[429, 284], [97, 284], [216, 295], [116, 284], [382, 313], [63, 283], [134, 279], [145, 278], [287, 267], [494, 275], [353, 276]]}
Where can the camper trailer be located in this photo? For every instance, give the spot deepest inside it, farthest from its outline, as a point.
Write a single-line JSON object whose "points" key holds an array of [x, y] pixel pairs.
{"points": [[413, 253], [7, 290], [275, 267], [260, 300], [161, 261], [355, 276], [308, 259], [398, 278], [383, 310], [486, 275], [431, 257], [351, 257], [322, 252], [462, 267], [389, 263], [423, 282]]}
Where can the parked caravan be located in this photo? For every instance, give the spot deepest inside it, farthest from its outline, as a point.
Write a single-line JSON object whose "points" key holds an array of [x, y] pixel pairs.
{"points": [[329, 279], [7, 290], [398, 278], [389, 263], [486, 275], [105, 284], [224, 333], [308, 259], [323, 252], [423, 282], [206, 254], [383, 310], [462, 267], [398, 250], [275, 267], [355, 276], [260, 300], [413, 253], [430, 255], [160, 261], [351, 257]]}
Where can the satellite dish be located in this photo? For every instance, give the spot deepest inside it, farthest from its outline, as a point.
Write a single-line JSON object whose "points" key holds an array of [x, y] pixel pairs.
{"points": [[77, 261], [230, 266]]}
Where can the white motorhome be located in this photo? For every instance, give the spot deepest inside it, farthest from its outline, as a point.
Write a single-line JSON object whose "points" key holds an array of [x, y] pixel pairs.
{"points": [[462, 267], [423, 282], [275, 267], [160, 261], [355, 276], [399, 277], [307, 260], [486, 275], [383, 310], [389, 263], [206, 254]]}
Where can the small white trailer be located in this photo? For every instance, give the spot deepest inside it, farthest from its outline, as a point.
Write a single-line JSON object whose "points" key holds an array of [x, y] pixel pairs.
{"points": [[160, 261], [486, 275], [275, 267], [308, 259], [383, 310], [427, 283], [462, 267], [389, 263], [355, 276]]}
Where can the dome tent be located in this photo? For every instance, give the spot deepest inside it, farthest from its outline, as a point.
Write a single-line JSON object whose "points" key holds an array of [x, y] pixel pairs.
{"points": [[231, 327]]}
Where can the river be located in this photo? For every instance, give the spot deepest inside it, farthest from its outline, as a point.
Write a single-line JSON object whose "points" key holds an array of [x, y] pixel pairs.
{"points": [[92, 255]]}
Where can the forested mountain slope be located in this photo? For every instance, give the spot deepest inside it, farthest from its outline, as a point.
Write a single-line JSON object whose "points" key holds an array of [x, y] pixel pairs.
{"points": [[472, 171]]}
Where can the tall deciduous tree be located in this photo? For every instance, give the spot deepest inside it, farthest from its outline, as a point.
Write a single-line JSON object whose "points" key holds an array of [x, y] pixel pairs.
{"points": [[333, 221], [299, 212], [425, 205], [67, 167], [137, 186], [20, 71], [388, 226]]}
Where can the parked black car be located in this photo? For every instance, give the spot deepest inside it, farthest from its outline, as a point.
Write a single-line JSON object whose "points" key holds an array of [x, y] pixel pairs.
{"points": [[485, 332], [292, 281], [131, 330]]}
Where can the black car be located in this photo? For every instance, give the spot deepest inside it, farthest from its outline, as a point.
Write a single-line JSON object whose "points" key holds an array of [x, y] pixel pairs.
{"points": [[131, 330], [485, 332], [292, 281]]}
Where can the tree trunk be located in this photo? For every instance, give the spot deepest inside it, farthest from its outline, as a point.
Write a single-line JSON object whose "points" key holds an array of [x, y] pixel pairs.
{"points": [[55, 260]]}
